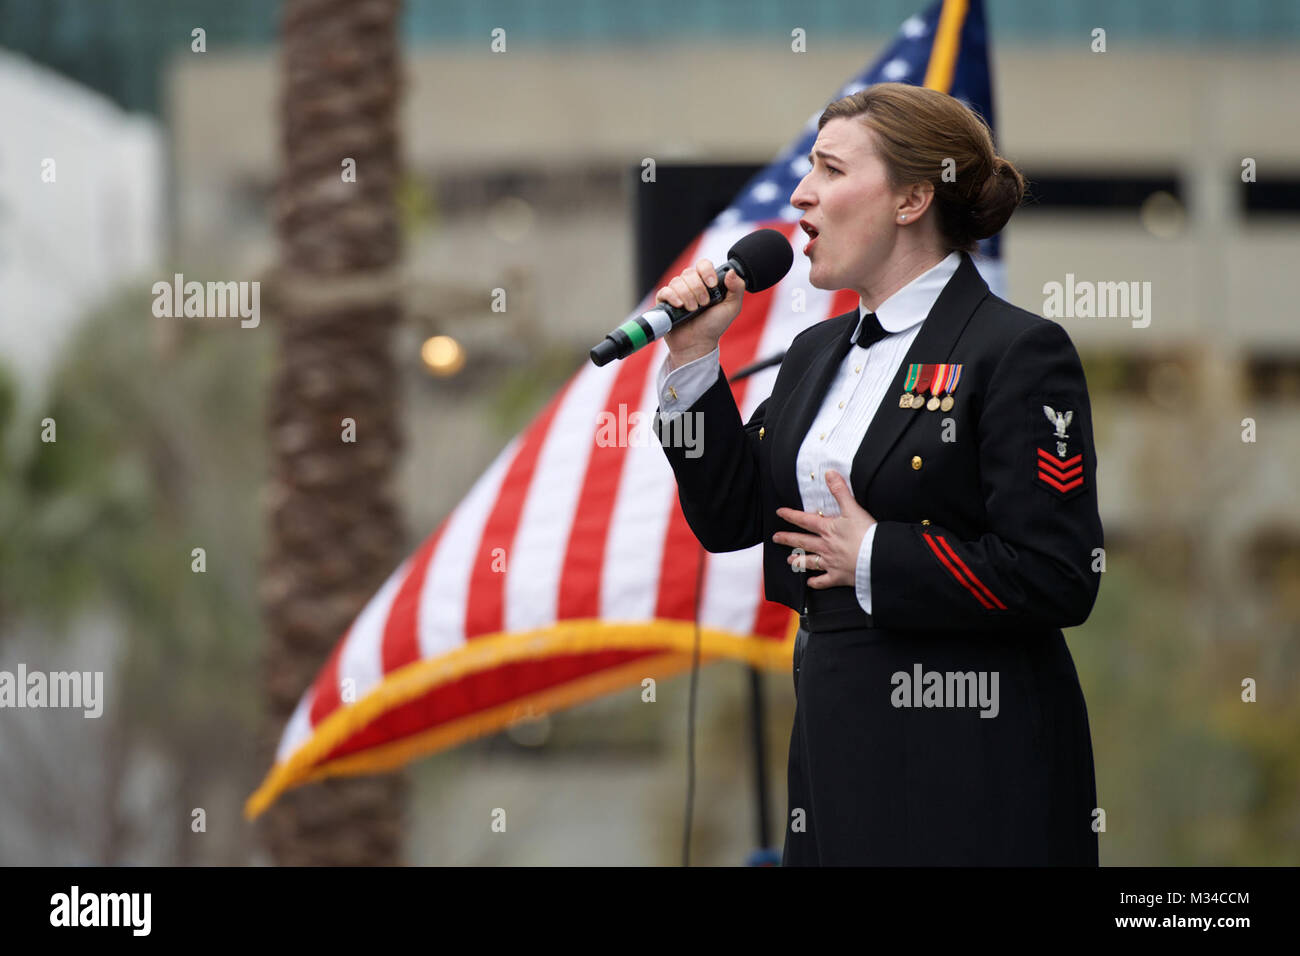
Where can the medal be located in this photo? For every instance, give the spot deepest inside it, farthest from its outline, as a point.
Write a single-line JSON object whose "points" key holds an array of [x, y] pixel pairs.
{"points": [[936, 386], [924, 380], [940, 380], [951, 375], [907, 399]]}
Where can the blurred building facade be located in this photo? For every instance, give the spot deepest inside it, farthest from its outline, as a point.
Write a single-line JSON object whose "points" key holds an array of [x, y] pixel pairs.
{"points": [[82, 207]]}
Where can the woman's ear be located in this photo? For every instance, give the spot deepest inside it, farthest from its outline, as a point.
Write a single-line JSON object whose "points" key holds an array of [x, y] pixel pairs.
{"points": [[915, 200]]}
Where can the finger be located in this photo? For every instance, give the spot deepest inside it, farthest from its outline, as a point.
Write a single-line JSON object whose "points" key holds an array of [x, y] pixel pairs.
{"points": [[843, 494], [818, 581], [708, 275], [806, 542], [697, 288], [672, 293], [681, 286], [804, 519], [810, 561], [803, 563], [685, 298]]}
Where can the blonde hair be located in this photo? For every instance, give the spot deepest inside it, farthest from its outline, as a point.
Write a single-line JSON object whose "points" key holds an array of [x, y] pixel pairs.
{"points": [[917, 131]]}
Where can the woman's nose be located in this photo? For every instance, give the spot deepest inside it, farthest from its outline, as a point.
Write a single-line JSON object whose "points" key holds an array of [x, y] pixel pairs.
{"points": [[800, 198]]}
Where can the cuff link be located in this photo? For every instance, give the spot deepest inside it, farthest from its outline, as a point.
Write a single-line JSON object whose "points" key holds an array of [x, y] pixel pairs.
{"points": [[925, 521]]}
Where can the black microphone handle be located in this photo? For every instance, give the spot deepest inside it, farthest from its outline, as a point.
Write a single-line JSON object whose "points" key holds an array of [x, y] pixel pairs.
{"points": [[640, 331]]}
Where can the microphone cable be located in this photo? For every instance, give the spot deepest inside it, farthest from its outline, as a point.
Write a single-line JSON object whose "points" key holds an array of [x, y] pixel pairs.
{"points": [[690, 713], [695, 653]]}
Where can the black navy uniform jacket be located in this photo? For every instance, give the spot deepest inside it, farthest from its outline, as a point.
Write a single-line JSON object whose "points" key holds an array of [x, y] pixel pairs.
{"points": [[987, 541]]}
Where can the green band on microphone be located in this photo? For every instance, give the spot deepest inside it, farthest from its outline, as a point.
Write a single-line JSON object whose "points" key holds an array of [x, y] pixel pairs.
{"points": [[632, 329]]}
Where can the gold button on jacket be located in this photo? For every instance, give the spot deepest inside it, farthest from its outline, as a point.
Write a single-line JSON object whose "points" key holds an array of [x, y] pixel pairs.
{"points": [[916, 462]]}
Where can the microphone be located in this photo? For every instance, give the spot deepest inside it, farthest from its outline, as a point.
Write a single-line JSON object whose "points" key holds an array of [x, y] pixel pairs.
{"points": [[761, 259]]}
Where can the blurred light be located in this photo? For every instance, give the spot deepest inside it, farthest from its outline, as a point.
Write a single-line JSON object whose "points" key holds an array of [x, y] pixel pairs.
{"points": [[442, 355], [530, 731], [511, 218], [1162, 215]]}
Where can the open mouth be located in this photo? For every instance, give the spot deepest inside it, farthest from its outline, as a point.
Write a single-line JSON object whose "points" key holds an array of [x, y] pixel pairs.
{"points": [[812, 232]]}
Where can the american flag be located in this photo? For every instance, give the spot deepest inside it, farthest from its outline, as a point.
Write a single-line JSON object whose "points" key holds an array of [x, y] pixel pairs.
{"points": [[568, 571]]}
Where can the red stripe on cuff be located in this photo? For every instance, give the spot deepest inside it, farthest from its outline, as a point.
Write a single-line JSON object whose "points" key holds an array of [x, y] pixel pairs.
{"points": [[971, 574], [954, 572]]}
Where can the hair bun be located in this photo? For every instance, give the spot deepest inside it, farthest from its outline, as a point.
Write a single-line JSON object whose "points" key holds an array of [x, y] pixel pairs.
{"points": [[998, 198]]}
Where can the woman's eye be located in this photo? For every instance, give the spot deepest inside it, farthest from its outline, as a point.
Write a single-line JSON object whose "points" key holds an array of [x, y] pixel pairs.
{"points": [[832, 169]]}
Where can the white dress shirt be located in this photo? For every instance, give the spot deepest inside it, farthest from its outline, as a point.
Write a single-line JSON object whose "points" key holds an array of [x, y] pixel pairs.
{"points": [[851, 402]]}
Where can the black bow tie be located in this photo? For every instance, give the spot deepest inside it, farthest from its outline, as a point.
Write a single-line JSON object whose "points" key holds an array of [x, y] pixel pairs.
{"points": [[872, 331]]}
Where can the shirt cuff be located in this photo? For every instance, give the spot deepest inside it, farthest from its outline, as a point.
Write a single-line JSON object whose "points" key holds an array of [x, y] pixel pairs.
{"points": [[862, 573], [682, 387]]}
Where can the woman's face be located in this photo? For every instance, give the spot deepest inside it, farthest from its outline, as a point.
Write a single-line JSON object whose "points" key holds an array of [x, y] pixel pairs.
{"points": [[848, 206]]}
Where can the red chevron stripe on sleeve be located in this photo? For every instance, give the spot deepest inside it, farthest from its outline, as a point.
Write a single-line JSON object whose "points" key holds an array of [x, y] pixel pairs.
{"points": [[1063, 476]]}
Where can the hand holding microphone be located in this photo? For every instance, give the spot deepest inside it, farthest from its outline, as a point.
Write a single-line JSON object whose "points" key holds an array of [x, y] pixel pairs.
{"points": [[760, 260], [691, 291]]}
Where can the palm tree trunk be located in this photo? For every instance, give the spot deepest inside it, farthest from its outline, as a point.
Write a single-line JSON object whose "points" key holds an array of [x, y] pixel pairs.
{"points": [[334, 529]]}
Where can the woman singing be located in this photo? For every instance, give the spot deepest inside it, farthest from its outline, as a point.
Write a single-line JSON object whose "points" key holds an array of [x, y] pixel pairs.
{"points": [[922, 481]]}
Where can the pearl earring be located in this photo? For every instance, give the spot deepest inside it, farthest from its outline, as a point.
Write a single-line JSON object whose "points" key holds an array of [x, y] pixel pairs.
{"points": [[901, 218]]}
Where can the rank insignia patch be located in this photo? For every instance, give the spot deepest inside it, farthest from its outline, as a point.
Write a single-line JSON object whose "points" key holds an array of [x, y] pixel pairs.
{"points": [[1061, 471]]}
